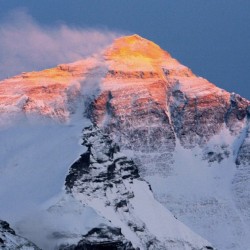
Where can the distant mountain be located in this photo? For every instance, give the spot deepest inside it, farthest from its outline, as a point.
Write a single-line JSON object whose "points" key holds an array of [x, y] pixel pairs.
{"points": [[159, 148]]}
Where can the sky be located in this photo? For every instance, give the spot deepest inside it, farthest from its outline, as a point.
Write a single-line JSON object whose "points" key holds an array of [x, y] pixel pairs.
{"points": [[210, 37]]}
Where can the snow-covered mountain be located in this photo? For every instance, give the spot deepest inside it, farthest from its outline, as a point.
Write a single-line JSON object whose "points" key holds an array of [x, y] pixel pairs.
{"points": [[126, 149]]}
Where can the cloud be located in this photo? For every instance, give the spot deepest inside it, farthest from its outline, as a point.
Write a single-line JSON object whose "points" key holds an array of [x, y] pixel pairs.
{"points": [[27, 46]]}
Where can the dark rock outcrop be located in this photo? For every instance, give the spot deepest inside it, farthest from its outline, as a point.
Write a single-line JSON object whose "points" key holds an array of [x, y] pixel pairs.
{"points": [[102, 238], [98, 164]]}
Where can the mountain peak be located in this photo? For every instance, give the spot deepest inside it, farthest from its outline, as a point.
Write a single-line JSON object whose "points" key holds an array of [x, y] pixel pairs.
{"points": [[135, 53], [135, 46], [133, 38]]}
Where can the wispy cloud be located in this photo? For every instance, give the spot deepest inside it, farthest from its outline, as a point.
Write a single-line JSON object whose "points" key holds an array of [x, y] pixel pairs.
{"points": [[26, 45]]}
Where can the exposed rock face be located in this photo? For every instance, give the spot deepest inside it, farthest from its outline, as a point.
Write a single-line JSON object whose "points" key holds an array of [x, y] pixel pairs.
{"points": [[9, 240], [98, 164]]}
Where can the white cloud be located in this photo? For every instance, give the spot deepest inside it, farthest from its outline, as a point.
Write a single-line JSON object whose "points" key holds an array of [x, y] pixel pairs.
{"points": [[26, 45]]}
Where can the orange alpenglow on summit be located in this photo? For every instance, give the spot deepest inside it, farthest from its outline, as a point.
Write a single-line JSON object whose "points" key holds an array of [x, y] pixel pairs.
{"points": [[130, 64]]}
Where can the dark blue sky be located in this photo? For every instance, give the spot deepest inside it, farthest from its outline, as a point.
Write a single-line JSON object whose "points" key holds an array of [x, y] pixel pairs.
{"points": [[212, 37]]}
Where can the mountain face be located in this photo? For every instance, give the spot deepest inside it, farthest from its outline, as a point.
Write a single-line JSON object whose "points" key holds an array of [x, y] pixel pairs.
{"points": [[106, 180], [160, 148], [9, 239]]}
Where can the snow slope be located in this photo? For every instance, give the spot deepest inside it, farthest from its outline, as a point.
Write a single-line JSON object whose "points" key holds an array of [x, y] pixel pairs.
{"points": [[202, 193]]}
